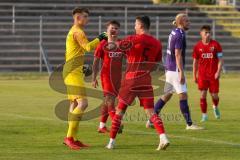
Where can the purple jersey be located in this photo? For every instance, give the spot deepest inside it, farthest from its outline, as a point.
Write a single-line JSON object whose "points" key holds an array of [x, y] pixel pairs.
{"points": [[176, 40]]}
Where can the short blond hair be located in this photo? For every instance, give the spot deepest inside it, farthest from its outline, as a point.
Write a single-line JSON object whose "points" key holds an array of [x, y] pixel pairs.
{"points": [[179, 18]]}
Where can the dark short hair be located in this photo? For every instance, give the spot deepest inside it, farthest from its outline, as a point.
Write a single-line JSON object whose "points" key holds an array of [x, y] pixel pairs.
{"points": [[205, 27], [145, 20], [113, 22], [80, 10]]}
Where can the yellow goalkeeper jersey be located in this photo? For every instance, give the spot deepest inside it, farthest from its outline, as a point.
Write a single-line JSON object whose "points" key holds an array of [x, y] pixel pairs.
{"points": [[77, 45]]}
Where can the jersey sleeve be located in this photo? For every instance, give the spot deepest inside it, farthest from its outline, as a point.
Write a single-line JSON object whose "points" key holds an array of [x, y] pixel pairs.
{"points": [[82, 40], [195, 52], [99, 52], [179, 41]]}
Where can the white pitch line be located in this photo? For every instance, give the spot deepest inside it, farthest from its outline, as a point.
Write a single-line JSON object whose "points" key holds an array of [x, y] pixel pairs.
{"points": [[27, 117], [18, 116], [133, 131], [189, 138]]}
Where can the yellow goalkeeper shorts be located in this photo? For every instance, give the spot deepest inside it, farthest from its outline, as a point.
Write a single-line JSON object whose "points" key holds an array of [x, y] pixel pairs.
{"points": [[75, 86]]}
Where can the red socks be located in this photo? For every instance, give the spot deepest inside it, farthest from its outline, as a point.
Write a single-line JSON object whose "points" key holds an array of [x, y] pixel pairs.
{"points": [[104, 114], [203, 105], [215, 102], [116, 122], [157, 122], [111, 111]]}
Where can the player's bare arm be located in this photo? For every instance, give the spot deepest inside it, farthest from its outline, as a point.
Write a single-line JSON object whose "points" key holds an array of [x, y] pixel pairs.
{"points": [[95, 69], [218, 73], [195, 70]]}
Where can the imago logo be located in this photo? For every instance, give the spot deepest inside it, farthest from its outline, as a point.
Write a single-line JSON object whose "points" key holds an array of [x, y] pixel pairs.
{"points": [[58, 82], [110, 46], [122, 45], [125, 45], [207, 55]]}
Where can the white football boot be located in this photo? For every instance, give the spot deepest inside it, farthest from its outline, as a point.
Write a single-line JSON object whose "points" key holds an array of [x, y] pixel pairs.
{"points": [[164, 142], [111, 144], [194, 127]]}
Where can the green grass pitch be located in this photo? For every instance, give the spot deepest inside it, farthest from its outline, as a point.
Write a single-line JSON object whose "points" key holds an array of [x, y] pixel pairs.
{"points": [[29, 129]]}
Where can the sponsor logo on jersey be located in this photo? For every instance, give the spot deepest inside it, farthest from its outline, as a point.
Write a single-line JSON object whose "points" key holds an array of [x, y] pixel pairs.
{"points": [[115, 54], [207, 55]]}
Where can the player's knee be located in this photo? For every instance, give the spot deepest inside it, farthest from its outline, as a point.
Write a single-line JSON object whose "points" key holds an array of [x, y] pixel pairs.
{"points": [[121, 109], [183, 96], [109, 100], [73, 104], [82, 104], [166, 97], [120, 112], [214, 96], [203, 94], [149, 112]]}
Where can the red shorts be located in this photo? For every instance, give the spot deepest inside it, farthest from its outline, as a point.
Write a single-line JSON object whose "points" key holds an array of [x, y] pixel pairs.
{"points": [[110, 87], [212, 85], [139, 87]]}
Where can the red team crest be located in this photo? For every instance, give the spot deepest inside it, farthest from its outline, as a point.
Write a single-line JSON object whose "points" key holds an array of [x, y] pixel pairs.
{"points": [[212, 49]]}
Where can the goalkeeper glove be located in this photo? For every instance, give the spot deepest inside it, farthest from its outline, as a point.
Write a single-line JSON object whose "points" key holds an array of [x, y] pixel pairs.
{"points": [[103, 36], [87, 70]]}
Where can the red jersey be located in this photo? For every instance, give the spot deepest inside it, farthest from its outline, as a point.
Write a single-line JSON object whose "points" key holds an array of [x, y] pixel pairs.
{"points": [[208, 57], [111, 61], [142, 55]]}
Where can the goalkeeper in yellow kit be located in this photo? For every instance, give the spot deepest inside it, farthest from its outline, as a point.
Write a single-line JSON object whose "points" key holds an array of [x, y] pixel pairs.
{"points": [[77, 45]]}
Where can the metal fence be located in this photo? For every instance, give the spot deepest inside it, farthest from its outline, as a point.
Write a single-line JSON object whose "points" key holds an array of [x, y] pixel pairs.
{"points": [[42, 51]]}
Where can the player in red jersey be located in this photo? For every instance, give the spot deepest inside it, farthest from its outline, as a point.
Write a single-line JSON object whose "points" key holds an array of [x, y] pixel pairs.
{"points": [[207, 64], [111, 58], [144, 51]]}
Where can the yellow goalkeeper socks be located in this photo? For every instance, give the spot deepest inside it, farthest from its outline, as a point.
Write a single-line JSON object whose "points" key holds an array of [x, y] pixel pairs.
{"points": [[73, 122]]}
